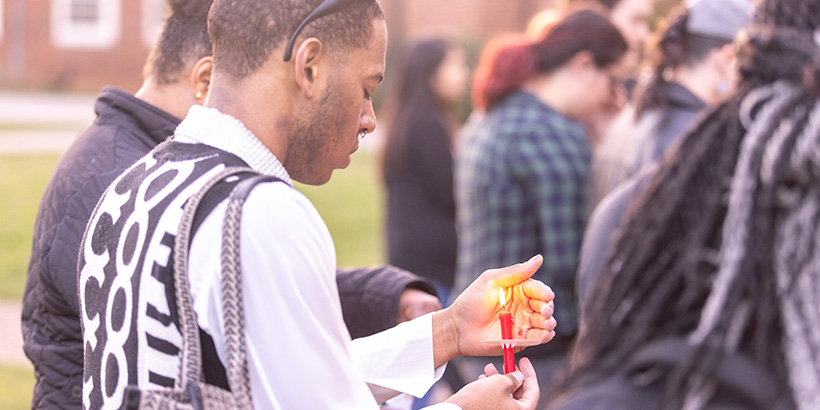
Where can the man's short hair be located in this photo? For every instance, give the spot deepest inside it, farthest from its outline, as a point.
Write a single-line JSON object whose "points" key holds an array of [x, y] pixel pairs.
{"points": [[244, 33]]}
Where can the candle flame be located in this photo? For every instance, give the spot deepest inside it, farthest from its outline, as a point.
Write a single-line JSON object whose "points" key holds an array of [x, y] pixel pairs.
{"points": [[501, 298]]}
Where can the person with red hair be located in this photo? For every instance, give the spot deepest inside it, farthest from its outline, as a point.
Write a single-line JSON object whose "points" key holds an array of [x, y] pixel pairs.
{"points": [[521, 173]]}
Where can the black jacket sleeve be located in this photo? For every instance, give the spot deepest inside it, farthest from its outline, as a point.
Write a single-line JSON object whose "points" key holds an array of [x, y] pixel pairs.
{"points": [[370, 296]]}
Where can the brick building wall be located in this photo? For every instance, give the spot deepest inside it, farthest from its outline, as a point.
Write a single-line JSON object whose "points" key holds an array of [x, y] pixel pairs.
{"points": [[478, 19], [39, 51], [34, 53]]}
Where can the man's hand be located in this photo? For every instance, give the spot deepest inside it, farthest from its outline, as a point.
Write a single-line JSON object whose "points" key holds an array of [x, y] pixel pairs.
{"points": [[497, 391], [473, 317], [414, 303]]}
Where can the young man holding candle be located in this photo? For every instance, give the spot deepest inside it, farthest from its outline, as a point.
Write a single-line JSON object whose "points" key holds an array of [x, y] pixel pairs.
{"points": [[298, 117], [127, 127]]}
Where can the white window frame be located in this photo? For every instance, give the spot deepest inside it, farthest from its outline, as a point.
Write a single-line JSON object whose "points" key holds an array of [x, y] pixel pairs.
{"points": [[104, 33], [154, 13]]}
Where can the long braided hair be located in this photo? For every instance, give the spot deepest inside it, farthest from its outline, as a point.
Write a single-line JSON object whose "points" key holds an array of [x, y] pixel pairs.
{"points": [[723, 246]]}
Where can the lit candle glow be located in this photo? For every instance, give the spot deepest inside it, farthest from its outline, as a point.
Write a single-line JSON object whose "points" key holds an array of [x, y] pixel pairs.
{"points": [[505, 318]]}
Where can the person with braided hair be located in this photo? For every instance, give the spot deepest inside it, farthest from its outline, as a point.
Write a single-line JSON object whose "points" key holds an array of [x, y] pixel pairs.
{"points": [[719, 257], [693, 66]]}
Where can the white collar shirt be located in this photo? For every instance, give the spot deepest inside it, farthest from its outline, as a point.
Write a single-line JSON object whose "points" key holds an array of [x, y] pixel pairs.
{"points": [[300, 355]]}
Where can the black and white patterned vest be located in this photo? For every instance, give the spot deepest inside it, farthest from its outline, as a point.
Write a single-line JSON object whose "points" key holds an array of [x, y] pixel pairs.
{"points": [[129, 314]]}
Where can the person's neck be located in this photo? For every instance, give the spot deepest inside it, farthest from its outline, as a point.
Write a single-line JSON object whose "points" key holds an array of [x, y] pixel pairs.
{"points": [[550, 90], [699, 80], [270, 122], [172, 98]]}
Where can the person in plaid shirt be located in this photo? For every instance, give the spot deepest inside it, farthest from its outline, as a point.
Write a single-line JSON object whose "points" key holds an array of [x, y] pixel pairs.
{"points": [[521, 174]]}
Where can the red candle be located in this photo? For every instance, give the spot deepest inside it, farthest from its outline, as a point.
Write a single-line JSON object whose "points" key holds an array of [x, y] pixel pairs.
{"points": [[505, 318]]}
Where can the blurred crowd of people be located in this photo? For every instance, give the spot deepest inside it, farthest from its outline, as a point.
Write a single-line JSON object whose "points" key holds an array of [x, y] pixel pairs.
{"points": [[620, 155]]}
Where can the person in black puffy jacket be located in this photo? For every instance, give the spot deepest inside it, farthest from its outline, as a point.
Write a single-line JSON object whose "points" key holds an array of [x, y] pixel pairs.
{"points": [[127, 127]]}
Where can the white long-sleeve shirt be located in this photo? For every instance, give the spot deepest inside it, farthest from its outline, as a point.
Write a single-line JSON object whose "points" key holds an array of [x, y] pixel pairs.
{"points": [[300, 355]]}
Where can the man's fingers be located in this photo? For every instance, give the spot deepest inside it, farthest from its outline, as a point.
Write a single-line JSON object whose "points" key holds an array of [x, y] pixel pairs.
{"points": [[541, 335], [543, 322], [529, 392], [515, 274], [517, 378], [546, 309], [490, 369], [537, 290]]}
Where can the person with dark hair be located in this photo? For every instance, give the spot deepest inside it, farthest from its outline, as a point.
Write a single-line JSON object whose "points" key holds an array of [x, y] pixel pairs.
{"points": [[417, 164], [418, 161], [289, 100], [631, 17], [177, 75], [521, 172], [718, 258], [693, 67]]}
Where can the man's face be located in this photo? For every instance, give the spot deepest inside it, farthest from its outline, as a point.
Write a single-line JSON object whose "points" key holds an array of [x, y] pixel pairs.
{"points": [[329, 130]]}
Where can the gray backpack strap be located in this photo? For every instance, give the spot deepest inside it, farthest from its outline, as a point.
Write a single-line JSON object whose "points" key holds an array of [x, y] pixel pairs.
{"points": [[190, 391], [231, 287], [191, 364]]}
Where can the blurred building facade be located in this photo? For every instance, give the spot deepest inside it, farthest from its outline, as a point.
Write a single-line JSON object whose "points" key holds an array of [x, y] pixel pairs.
{"points": [[77, 45], [82, 45]]}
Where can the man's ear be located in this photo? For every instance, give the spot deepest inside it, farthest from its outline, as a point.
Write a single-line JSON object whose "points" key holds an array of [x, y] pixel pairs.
{"points": [[306, 66], [200, 78]]}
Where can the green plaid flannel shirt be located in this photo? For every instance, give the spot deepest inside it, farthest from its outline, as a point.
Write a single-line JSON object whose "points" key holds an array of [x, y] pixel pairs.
{"points": [[521, 189]]}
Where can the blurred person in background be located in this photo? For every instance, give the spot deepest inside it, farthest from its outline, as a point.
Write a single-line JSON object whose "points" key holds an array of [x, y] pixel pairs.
{"points": [[417, 164], [177, 75], [521, 171], [709, 298], [666, 108], [631, 17], [693, 66]]}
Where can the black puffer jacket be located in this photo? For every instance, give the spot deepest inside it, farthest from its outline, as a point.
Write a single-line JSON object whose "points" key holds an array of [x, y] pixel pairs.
{"points": [[127, 128]]}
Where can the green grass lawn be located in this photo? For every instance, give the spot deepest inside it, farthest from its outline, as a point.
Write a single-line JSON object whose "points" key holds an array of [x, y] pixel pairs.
{"points": [[16, 384], [351, 204], [23, 179]]}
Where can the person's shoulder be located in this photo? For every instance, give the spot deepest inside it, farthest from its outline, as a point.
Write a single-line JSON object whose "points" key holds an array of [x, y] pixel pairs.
{"points": [[276, 201], [277, 213]]}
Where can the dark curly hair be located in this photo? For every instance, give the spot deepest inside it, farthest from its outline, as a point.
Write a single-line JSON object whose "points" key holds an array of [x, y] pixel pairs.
{"points": [[184, 39]]}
